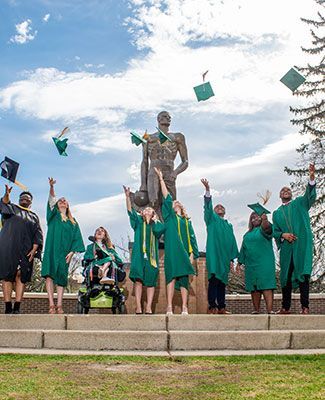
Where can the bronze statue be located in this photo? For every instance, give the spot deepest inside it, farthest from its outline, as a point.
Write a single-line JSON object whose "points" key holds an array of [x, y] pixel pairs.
{"points": [[161, 156]]}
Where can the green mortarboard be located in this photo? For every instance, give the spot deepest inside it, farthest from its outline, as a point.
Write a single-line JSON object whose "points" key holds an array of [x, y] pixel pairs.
{"points": [[293, 79], [258, 208], [163, 137], [61, 145], [9, 170], [137, 139], [204, 91]]}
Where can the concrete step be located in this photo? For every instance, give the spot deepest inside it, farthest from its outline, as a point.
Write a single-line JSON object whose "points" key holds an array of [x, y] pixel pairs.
{"points": [[246, 340], [117, 322], [32, 321], [162, 340], [194, 322], [203, 322]]}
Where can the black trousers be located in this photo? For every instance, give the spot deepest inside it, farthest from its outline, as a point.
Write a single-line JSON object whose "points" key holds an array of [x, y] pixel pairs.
{"points": [[287, 290], [216, 293]]}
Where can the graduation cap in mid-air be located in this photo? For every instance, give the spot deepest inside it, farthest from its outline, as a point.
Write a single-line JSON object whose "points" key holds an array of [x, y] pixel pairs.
{"points": [[137, 139], [163, 137], [204, 91], [259, 208], [293, 79], [9, 170], [61, 144]]}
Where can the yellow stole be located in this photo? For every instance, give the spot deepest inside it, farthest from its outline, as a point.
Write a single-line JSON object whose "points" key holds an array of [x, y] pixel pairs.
{"points": [[190, 248], [152, 247]]}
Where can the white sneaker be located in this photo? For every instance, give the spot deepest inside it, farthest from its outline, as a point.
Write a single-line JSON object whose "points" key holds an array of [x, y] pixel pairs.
{"points": [[169, 312], [185, 311], [107, 281]]}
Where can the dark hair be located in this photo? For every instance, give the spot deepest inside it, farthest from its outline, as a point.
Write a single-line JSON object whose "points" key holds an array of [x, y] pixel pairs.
{"points": [[250, 225], [28, 193]]}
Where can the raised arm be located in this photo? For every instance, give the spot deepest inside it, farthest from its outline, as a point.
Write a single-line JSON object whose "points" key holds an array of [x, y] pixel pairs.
{"points": [[308, 199], [52, 182], [127, 198], [163, 186], [144, 167], [182, 148], [208, 209], [6, 196], [266, 225]]}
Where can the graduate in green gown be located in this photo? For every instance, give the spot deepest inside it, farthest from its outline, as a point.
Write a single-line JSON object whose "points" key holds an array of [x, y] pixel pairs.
{"points": [[257, 256], [180, 247], [294, 238], [221, 250], [144, 270], [103, 251], [63, 239]]}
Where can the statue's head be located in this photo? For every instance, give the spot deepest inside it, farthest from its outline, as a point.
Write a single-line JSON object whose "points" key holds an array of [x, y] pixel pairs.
{"points": [[164, 119]]}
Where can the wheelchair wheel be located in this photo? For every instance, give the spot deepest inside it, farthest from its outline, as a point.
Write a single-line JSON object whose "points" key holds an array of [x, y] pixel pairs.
{"points": [[121, 309], [81, 309]]}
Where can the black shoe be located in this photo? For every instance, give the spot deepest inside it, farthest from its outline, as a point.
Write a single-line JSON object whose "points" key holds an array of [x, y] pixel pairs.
{"points": [[16, 312], [8, 307]]}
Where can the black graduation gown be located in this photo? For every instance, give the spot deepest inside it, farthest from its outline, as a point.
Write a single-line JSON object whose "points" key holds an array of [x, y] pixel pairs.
{"points": [[20, 231]]}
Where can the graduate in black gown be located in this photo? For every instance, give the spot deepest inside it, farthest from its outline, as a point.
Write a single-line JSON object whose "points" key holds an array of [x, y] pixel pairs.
{"points": [[21, 240]]}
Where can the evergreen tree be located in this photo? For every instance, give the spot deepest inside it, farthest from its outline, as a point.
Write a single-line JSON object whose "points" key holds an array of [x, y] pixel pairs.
{"points": [[310, 118]]}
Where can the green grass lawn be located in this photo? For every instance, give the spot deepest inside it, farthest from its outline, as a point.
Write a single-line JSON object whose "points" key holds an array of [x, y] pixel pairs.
{"points": [[103, 377]]}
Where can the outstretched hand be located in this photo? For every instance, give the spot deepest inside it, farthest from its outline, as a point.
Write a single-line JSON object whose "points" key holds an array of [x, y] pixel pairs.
{"points": [[127, 191], [52, 182], [8, 190], [312, 172], [206, 184], [159, 173]]}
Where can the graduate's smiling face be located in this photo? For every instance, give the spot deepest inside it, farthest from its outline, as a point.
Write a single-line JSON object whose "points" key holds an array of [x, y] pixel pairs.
{"points": [[148, 213], [177, 207], [63, 204], [255, 220], [25, 200], [220, 210], [100, 234], [285, 194]]}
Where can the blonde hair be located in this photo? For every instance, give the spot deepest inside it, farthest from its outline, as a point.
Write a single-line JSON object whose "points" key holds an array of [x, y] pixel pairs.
{"points": [[183, 210], [68, 215], [154, 214]]}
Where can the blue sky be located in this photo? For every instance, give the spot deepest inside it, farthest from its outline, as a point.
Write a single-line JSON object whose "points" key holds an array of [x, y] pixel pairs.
{"points": [[104, 67]]}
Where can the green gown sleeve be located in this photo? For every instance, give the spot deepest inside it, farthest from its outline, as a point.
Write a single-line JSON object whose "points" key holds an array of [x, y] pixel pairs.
{"points": [[89, 254], [118, 259], [208, 209], [277, 232], [234, 247], [77, 245], [308, 199], [158, 228], [50, 213], [134, 218], [167, 207], [194, 245], [241, 257]]}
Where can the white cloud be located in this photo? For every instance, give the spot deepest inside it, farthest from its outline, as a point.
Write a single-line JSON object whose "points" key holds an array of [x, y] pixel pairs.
{"points": [[25, 33], [46, 17], [244, 73]]}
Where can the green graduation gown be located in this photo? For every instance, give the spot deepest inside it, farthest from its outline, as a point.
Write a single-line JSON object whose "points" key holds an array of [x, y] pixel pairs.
{"points": [[91, 253], [294, 218], [145, 262], [221, 245], [257, 255], [179, 241], [62, 238]]}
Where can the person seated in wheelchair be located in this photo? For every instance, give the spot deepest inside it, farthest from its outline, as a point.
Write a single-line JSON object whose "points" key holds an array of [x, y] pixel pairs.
{"points": [[106, 262]]}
